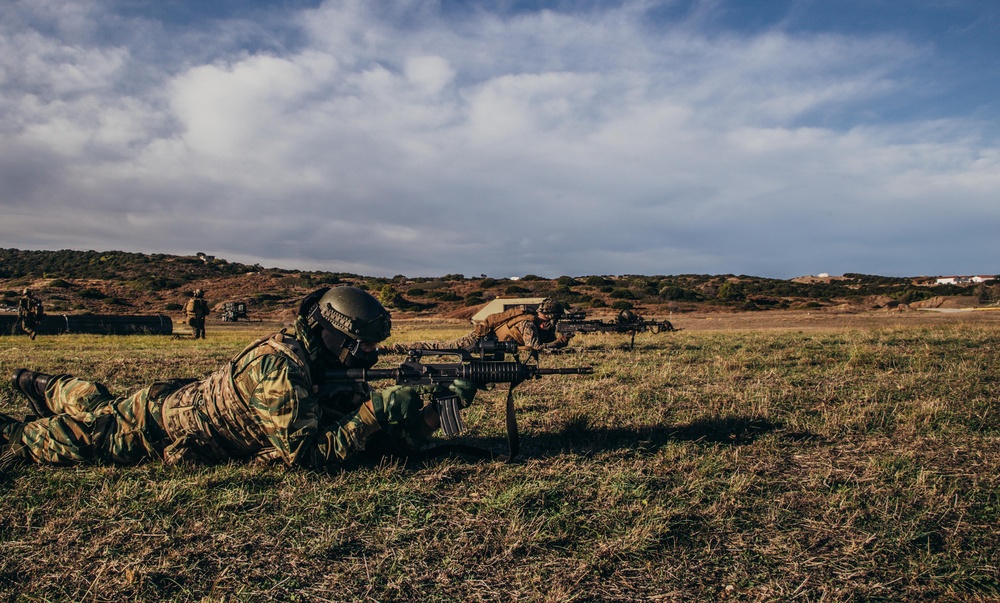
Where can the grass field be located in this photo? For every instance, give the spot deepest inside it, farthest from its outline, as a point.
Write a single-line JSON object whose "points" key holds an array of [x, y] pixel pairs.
{"points": [[855, 463]]}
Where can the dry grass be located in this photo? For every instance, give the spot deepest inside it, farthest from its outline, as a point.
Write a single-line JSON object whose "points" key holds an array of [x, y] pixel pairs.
{"points": [[852, 463]]}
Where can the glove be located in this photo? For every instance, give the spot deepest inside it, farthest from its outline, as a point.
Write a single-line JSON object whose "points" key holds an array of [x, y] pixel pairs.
{"points": [[465, 390], [400, 404]]}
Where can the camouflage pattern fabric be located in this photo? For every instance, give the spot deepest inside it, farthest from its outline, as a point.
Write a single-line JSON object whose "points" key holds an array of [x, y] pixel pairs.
{"points": [[261, 405], [525, 332], [92, 425]]}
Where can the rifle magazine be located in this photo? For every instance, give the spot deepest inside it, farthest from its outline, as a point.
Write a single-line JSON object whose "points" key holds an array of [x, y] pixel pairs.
{"points": [[450, 414]]}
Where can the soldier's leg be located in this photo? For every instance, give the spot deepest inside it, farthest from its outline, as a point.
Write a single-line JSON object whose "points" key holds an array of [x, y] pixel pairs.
{"points": [[464, 342], [53, 394], [121, 432], [65, 394]]}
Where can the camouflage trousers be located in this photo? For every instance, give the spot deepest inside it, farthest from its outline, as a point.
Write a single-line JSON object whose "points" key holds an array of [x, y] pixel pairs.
{"points": [[465, 342], [29, 324], [91, 424]]}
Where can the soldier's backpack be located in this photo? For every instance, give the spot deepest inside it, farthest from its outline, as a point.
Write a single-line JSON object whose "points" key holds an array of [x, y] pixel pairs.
{"points": [[509, 317]]}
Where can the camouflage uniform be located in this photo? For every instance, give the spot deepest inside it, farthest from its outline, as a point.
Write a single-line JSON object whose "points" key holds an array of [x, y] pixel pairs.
{"points": [[521, 325], [264, 404], [29, 312]]}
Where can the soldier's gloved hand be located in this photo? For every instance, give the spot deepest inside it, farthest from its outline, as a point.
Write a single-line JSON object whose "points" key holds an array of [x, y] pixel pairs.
{"points": [[465, 390], [400, 404]]}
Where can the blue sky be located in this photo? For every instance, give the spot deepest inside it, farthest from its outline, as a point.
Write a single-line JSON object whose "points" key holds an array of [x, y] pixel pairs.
{"points": [[773, 138]]}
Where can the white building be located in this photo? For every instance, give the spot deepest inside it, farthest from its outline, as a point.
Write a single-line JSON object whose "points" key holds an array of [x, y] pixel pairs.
{"points": [[962, 280]]}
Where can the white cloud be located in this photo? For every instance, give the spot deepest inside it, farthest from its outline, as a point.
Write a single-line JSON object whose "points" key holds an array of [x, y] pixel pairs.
{"points": [[399, 140]]}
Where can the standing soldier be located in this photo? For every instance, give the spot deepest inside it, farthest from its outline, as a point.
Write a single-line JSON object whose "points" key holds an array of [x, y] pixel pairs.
{"points": [[269, 402], [196, 310], [30, 312]]}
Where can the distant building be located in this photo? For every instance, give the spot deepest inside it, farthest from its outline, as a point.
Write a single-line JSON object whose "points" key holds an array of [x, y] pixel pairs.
{"points": [[502, 304], [963, 280]]}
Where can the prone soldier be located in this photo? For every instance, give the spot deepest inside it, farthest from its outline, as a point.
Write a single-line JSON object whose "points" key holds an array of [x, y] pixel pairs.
{"points": [[533, 330], [268, 402]]}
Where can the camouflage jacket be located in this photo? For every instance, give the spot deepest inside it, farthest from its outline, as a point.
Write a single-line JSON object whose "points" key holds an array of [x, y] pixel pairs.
{"points": [[263, 404]]}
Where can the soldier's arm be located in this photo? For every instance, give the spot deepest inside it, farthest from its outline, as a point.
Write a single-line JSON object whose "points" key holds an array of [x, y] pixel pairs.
{"points": [[529, 332], [297, 426], [338, 441]]}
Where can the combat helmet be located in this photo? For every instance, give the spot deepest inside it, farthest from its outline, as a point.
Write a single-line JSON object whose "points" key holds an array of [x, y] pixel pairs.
{"points": [[345, 317], [550, 308], [199, 293], [627, 316]]}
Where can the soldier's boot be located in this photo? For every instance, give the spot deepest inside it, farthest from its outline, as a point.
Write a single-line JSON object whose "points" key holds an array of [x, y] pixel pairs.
{"points": [[33, 385]]}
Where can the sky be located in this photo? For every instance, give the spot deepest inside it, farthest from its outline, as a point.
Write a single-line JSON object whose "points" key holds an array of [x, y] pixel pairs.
{"points": [[772, 138]]}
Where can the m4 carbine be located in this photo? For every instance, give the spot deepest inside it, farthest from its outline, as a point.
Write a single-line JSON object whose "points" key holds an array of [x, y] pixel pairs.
{"points": [[480, 371]]}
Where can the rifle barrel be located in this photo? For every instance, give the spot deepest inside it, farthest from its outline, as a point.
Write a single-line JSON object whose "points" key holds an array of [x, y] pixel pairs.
{"points": [[576, 370]]}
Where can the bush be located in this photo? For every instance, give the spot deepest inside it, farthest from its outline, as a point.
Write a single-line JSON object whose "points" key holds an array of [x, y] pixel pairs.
{"points": [[622, 294], [91, 293], [622, 305], [444, 296], [730, 292]]}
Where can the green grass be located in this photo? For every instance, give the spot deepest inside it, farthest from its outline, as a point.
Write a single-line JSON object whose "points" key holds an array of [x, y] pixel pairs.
{"points": [[841, 465]]}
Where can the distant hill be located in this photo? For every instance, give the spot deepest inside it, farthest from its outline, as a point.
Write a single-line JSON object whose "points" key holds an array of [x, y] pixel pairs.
{"points": [[118, 282]]}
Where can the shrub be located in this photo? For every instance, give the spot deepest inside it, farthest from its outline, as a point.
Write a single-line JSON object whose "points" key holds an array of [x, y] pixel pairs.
{"points": [[91, 293]]}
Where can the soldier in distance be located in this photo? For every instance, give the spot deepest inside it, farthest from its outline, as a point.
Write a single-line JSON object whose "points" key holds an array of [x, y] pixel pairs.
{"points": [[196, 309], [268, 402], [30, 313]]}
